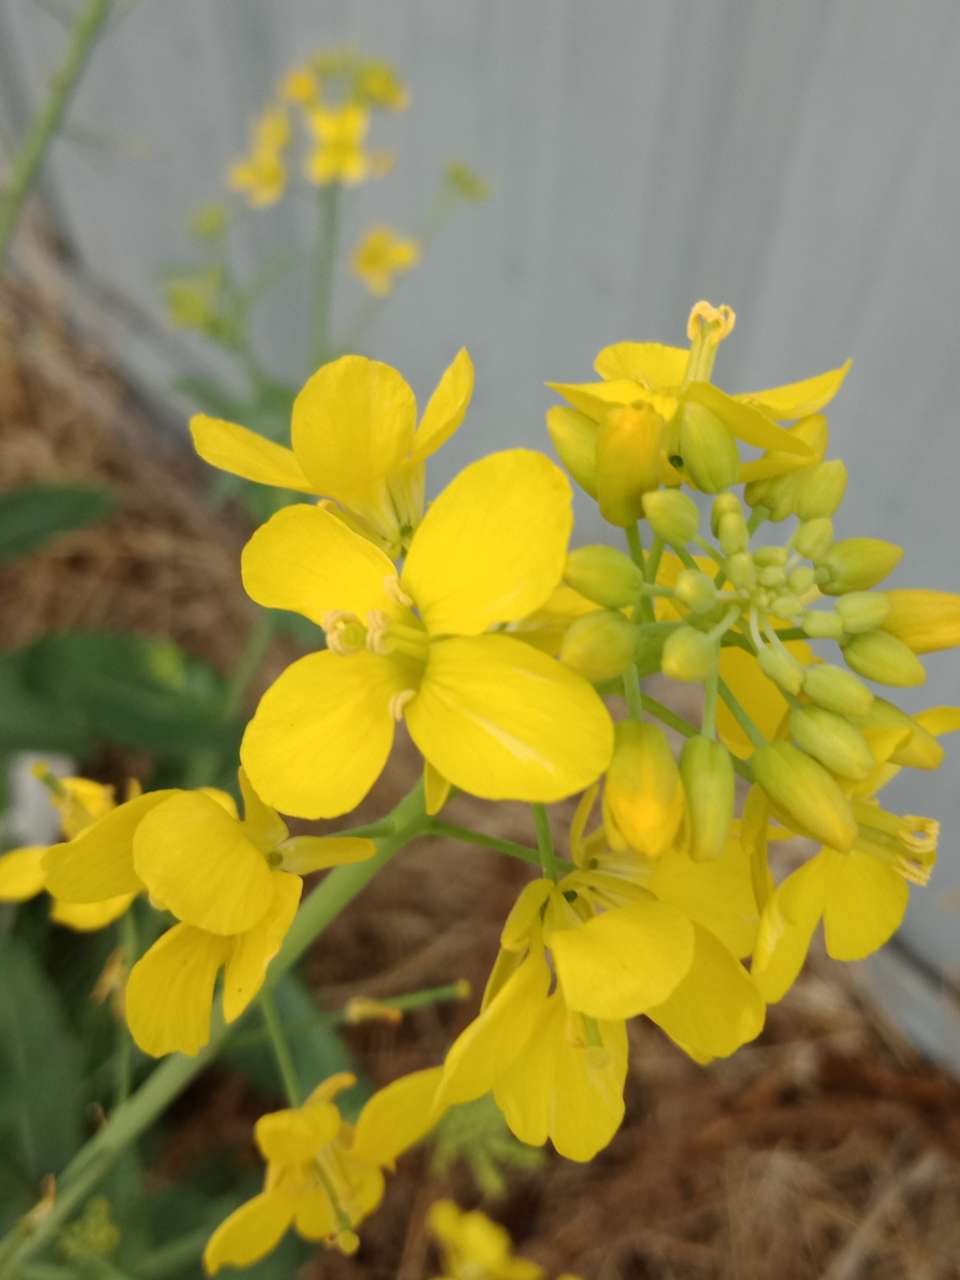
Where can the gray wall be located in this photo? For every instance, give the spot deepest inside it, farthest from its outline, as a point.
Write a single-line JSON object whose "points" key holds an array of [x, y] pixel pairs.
{"points": [[798, 160]]}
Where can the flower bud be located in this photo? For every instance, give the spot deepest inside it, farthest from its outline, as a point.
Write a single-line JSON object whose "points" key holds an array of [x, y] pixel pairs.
{"points": [[785, 605], [833, 741], [779, 495], [709, 451], [673, 516], [771, 575], [836, 690], [919, 749], [733, 533], [689, 654], [764, 556], [801, 579], [724, 504], [879, 656], [604, 575], [709, 783], [820, 489], [643, 794], [926, 621], [857, 564], [821, 625], [627, 462], [695, 590], [648, 652], [781, 668], [599, 646], [805, 795], [813, 538], [862, 611], [741, 571], [574, 437]]}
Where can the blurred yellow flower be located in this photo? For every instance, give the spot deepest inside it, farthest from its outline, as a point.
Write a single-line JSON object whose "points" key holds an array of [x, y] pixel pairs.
{"points": [[465, 182], [339, 154], [473, 1247], [262, 175], [377, 84], [381, 255]]}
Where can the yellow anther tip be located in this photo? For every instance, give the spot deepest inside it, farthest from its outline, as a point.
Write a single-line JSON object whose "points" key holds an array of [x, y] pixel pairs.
{"points": [[399, 701], [720, 320]]}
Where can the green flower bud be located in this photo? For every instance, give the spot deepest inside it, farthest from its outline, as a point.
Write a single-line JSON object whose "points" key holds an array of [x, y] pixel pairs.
{"points": [[785, 605], [689, 654], [709, 451], [673, 516], [801, 579], [822, 625], [857, 564], [805, 795], [780, 496], [574, 437], [605, 575], [820, 489], [812, 539], [628, 450], [599, 646], [755, 493], [781, 668], [724, 504], [741, 570], [695, 590], [764, 556], [862, 611], [733, 533], [833, 741], [648, 653], [919, 750], [836, 690], [709, 784], [879, 656], [771, 575]]}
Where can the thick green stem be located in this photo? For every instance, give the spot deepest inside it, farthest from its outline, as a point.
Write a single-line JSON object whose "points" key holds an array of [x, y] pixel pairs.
{"points": [[173, 1075], [325, 268], [43, 129]]}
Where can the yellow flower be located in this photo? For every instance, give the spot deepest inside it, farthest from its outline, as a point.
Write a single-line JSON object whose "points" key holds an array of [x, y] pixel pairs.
{"points": [[381, 255], [474, 1248], [492, 715], [300, 85], [234, 886], [262, 175], [339, 155], [377, 84], [81, 803], [355, 440], [323, 1176]]}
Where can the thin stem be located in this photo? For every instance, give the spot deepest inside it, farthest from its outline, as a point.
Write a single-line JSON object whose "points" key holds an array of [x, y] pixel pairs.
{"points": [[741, 716], [281, 1050], [548, 855], [710, 687], [677, 722], [124, 1052], [632, 693], [30, 156], [328, 234], [509, 847], [653, 559]]}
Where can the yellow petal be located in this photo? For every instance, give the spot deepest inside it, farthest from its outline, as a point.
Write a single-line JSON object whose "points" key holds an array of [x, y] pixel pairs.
{"points": [[328, 1089], [261, 824], [169, 993], [322, 733], [296, 1134], [353, 424], [245, 453], [250, 1232], [85, 917], [524, 1087], [939, 720], [525, 915], [595, 399], [302, 855], [22, 873], [588, 1090], [798, 399], [98, 863], [196, 860], [926, 621], [315, 1217], [436, 789], [865, 903], [718, 894], [306, 560], [652, 363], [501, 720], [745, 421], [447, 406], [493, 545], [484, 1049], [397, 1117], [621, 962], [786, 927], [716, 1008], [252, 951]]}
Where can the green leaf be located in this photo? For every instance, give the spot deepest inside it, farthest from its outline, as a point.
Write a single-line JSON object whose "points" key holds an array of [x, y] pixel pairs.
{"points": [[31, 721], [32, 516]]}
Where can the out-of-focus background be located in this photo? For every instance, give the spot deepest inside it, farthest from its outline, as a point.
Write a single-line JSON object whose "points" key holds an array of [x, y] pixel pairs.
{"points": [[799, 162]]}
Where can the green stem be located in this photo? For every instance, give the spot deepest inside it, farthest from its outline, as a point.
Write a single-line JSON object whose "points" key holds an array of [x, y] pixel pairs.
{"points": [[668, 717], [548, 855], [281, 1050], [172, 1076], [328, 234], [740, 715], [124, 1052], [711, 685], [30, 156], [757, 517], [632, 693], [509, 847]]}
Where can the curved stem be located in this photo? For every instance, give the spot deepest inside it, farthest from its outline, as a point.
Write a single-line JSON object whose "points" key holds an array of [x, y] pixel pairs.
{"points": [[509, 847], [740, 715], [548, 855], [281, 1050]]}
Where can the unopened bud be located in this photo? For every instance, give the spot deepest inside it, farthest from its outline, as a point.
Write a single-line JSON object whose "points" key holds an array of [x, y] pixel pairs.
{"points": [[695, 590], [627, 462], [877, 655], [689, 654], [779, 496], [785, 605], [604, 575], [862, 611], [708, 449], [820, 489], [837, 690], [919, 748], [833, 741], [857, 564], [599, 646], [800, 580], [724, 504], [781, 668], [805, 795], [574, 437], [733, 533], [741, 570], [764, 556], [643, 794], [673, 516], [771, 575], [813, 538], [926, 621], [822, 625], [709, 783]]}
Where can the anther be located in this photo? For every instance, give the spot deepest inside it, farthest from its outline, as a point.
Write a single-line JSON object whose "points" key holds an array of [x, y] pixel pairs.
{"points": [[718, 321], [399, 701], [391, 586], [346, 634]]}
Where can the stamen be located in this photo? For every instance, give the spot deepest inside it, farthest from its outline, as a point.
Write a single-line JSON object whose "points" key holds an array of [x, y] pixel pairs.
{"points": [[378, 624], [399, 701], [391, 586], [716, 323], [346, 634]]}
